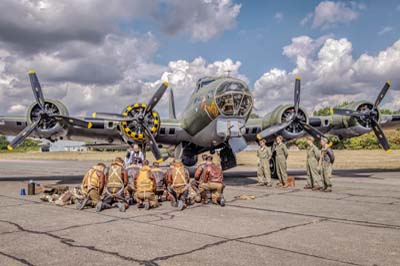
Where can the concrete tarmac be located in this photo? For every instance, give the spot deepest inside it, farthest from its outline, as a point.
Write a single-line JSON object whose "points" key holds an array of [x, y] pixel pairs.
{"points": [[357, 224]]}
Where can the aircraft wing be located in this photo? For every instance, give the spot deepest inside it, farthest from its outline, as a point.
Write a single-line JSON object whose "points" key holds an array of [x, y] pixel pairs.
{"points": [[390, 121]]}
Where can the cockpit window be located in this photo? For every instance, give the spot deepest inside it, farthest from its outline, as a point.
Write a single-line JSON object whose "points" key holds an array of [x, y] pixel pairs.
{"points": [[233, 99]]}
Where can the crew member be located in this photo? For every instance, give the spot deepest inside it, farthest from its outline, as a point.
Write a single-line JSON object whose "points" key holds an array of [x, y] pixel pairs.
{"points": [[117, 179], [313, 155], [168, 172], [178, 184], [145, 187], [326, 161], [281, 157], [264, 154], [200, 168], [213, 181], [132, 171], [134, 155], [159, 176], [92, 186], [194, 192]]}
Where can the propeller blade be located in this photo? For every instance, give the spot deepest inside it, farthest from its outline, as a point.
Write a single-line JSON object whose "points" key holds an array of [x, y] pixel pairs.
{"points": [[72, 121], [382, 93], [23, 135], [156, 97], [111, 117], [153, 145], [346, 112], [297, 95], [36, 88], [313, 131], [273, 130], [380, 135]]}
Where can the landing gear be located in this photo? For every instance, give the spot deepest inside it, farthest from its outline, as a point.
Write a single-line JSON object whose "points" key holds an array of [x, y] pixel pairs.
{"points": [[228, 158], [272, 166]]}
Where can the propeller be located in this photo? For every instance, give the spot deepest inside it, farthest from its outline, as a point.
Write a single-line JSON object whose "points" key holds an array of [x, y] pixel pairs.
{"points": [[369, 116], [140, 120], [45, 115], [295, 120]]}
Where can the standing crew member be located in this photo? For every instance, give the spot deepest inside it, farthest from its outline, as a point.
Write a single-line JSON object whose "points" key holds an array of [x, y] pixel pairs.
{"points": [[145, 187], [213, 182], [159, 176], [117, 179], [134, 155], [178, 184], [313, 155], [281, 157], [264, 172], [326, 162], [92, 186]]}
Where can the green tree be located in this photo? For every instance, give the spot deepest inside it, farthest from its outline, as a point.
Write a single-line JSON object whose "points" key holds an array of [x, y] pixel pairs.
{"points": [[3, 143]]}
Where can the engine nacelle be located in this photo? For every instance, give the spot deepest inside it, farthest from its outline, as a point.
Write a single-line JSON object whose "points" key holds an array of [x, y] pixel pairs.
{"points": [[48, 128], [346, 126], [132, 131], [282, 114]]}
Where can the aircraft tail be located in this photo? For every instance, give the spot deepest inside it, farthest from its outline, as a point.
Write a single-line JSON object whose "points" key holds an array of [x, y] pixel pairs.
{"points": [[172, 113]]}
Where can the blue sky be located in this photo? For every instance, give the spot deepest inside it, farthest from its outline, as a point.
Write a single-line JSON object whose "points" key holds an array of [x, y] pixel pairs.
{"points": [[258, 37]]}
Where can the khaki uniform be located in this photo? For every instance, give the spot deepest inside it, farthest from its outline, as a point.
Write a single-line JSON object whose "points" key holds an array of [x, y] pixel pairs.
{"points": [[159, 177], [145, 187], [114, 192], [314, 178], [93, 184], [177, 180], [132, 170], [263, 171], [213, 182], [327, 159], [281, 167]]}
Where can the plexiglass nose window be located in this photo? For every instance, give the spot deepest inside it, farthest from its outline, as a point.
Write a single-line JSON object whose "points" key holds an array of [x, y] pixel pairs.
{"points": [[233, 99]]}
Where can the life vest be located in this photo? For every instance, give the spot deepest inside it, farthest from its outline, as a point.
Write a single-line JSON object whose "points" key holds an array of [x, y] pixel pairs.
{"points": [[91, 180], [115, 182], [160, 178], [178, 177], [215, 171], [143, 181]]}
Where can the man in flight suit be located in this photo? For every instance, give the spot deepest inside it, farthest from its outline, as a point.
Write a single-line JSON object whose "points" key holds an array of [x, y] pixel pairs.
{"points": [[326, 162], [264, 172], [178, 184], [281, 157], [132, 170], [159, 176], [313, 155], [92, 186], [213, 181], [145, 187], [114, 192]]}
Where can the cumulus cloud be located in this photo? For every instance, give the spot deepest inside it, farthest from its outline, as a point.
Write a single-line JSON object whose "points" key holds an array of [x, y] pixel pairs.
{"points": [[330, 75], [87, 60], [202, 19], [328, 14]]}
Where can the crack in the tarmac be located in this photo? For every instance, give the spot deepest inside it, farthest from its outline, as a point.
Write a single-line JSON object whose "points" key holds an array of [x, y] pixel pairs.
{"points": [[70, 243], [152, 262], [359, 222], [23, 261], [243, 240]]}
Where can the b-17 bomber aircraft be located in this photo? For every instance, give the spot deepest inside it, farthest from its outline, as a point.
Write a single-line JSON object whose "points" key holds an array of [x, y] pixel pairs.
{"points": [[216, 118]]}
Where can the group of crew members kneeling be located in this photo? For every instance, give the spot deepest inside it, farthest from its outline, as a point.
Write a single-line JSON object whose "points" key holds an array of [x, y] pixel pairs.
{"points": [[319, 164], [121, 185]]}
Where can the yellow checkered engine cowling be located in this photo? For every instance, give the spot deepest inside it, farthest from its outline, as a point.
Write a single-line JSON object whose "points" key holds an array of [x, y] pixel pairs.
{"points": [[132, 130]]}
